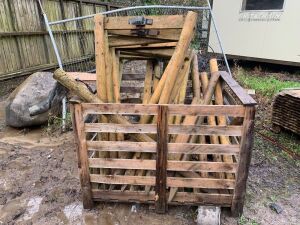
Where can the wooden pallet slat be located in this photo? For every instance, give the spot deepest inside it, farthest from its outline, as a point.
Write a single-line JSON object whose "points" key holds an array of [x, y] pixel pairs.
{"points": [[179, 199], [150, 147], [173, 129], [151, 109], [145, 164], [171, 181]]}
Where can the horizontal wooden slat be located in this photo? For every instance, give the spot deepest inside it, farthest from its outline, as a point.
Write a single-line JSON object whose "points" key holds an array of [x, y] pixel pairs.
{"points": [[171, 181], [115, 179], [167, 34], [207, 110], [171, 166], [180, 197], [118, 41], [200, 183], [181, 148], [142, 109], [136, 76], [125, 109], [172, 129], [158, 45], [159, 22]]}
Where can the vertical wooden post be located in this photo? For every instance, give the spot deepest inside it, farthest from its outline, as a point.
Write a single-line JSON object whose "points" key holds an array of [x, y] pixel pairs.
{"points": [[83, 166], [244, 161], [161, 160]]}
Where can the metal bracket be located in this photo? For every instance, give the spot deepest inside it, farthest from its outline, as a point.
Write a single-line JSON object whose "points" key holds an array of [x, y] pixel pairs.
{"points": [[140, 21]]}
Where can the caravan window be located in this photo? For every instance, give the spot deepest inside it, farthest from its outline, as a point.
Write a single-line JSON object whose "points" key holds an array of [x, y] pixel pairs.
{"points": [[263, 4]]}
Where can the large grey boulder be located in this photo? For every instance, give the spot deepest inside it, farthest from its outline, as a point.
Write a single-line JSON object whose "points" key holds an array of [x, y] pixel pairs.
{"points": [[34, 100]]}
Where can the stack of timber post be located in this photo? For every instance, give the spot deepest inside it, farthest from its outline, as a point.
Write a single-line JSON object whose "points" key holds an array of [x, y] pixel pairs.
{"points": [[285, 110], [161, 151]]}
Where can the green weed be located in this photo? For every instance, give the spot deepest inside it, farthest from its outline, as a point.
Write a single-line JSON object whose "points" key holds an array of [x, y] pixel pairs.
{"points": [[55, 124], [267, 85]]}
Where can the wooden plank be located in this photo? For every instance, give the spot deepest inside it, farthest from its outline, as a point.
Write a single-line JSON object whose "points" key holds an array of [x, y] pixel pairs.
{"points": [[116, 179], [240, 93], [150, 147], [158, 52], [244, 162], [119, 41], [180, 198], [222, 120], [200, 183], [124, 109], [202, 199], [145, 164], [148, 82], [116, 75], [159, 22], [171, 181], [100, 57], [195, 77], [84, 172], [153, 46], [164, 34], [126, 77], [151, 109], [161, 205], [173, 129]]}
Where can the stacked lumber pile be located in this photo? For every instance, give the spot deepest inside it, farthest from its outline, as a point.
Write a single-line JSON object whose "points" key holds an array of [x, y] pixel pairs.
{"points": [[165, 43], [285, 112]]}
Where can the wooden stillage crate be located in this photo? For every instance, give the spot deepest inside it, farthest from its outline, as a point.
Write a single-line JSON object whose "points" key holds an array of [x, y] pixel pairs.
{"points": [[146, 173]]}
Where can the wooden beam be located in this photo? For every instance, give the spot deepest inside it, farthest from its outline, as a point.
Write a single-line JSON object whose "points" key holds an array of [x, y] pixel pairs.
{"points": [[161, 205], [177, 59], [244, 162], [83, 165]]}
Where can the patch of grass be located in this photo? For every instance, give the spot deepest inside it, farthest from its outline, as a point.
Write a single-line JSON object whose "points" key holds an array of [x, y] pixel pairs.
{"points": [[266, 85], [246, 221]]}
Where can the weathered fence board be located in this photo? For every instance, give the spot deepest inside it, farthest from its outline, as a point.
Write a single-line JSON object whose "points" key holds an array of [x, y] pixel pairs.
{"points": [[25, 46]]}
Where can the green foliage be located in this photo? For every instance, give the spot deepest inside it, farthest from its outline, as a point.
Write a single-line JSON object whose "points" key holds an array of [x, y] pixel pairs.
{"points": [[265, 85], [55, 123]]}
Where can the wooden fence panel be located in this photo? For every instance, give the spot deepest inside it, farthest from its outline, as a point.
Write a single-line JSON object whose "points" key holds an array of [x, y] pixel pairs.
{"points": [[25, 46]]}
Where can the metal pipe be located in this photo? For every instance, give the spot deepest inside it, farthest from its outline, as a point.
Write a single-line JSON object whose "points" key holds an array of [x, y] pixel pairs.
{"points": [[59, 61], [131, 8], [219, 38]]}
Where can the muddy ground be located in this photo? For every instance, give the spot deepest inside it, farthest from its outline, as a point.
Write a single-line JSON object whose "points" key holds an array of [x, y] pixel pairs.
{"points": [[39, 184]]}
